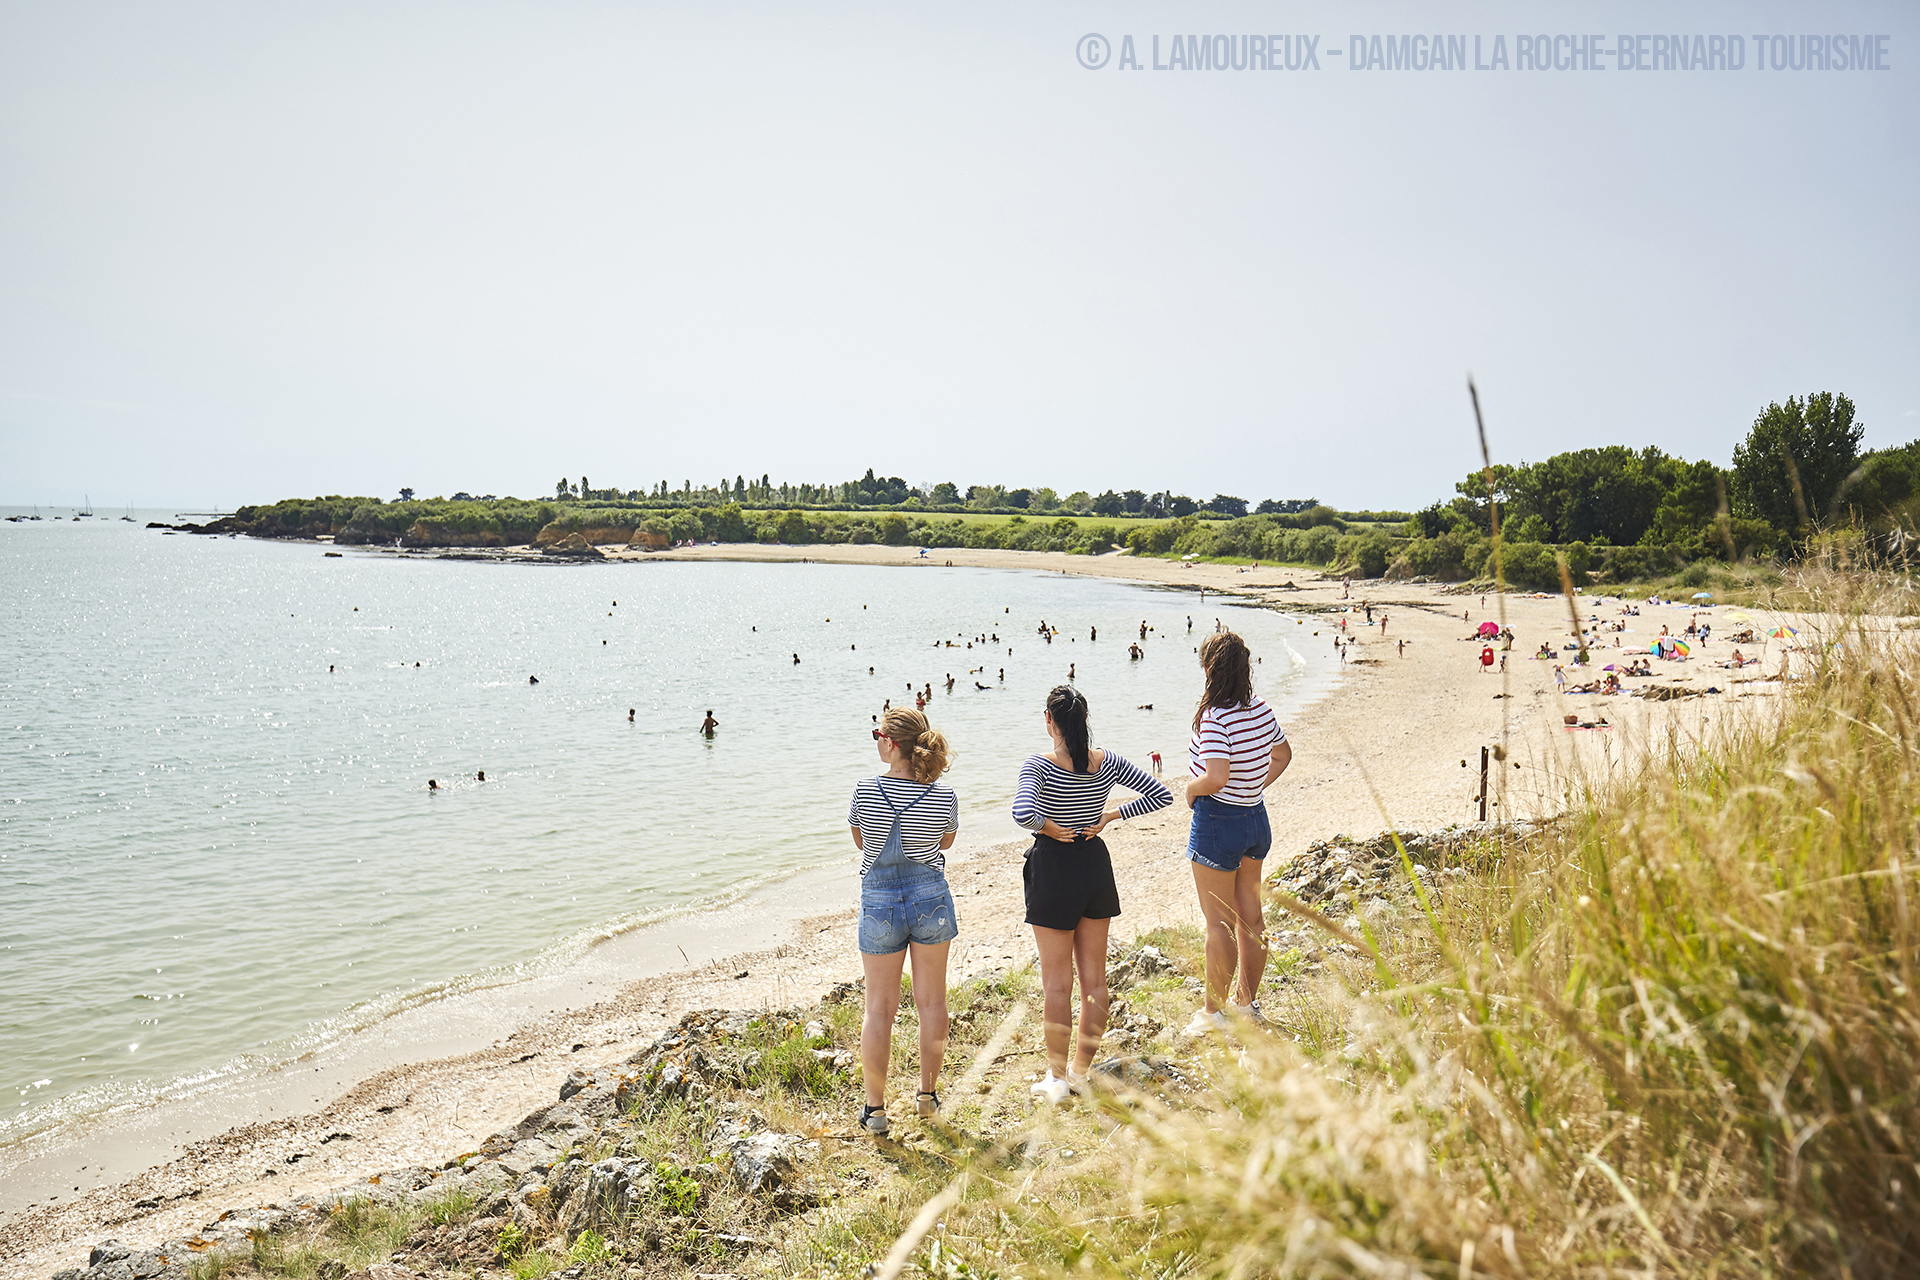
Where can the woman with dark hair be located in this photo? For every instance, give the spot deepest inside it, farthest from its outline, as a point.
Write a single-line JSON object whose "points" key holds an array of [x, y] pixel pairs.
{"points": [[1062, 799], [1236, 752], [903, 823]]}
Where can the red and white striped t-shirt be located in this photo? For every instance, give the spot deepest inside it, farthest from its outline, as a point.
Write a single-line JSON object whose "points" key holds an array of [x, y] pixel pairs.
{"points": [[1244, 736]]}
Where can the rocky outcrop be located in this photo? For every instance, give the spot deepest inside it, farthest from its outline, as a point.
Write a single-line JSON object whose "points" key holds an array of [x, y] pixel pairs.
{"points": [[595, 535], [574, 546], [427, 534], [533, 1176]]}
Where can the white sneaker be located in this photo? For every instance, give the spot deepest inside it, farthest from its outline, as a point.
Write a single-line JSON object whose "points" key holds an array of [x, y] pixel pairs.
{"points": [[1203, 1023], [1250, 1010], [1076, 1081], [1052, 1090]]}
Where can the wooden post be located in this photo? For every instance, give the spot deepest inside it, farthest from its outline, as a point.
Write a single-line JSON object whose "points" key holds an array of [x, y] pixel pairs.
{"points": [[1483, 784]]}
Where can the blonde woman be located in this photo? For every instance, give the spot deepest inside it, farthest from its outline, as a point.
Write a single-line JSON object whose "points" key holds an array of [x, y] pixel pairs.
{"points": [[903, 823], [1237, 751]]}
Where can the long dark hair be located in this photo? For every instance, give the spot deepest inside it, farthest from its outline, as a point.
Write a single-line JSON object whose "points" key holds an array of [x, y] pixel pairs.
{"points": [[1229, 673], [1069, 711]]}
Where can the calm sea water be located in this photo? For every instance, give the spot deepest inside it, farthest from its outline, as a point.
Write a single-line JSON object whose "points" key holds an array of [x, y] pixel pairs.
{"points": [[215, 854]]}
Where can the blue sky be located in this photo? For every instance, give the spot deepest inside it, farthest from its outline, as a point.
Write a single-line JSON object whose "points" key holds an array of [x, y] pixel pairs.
{"points": [[263, 250]]}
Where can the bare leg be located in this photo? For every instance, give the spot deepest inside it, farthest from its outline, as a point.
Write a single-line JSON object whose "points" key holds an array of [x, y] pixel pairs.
{"points": [[1056, 988], [876, 1028], [1251, 922], [1216, 889], [930, 999], [1090, 958]]}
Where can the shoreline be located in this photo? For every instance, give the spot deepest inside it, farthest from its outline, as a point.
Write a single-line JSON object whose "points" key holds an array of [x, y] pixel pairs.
{"points": [[404, 1100]]}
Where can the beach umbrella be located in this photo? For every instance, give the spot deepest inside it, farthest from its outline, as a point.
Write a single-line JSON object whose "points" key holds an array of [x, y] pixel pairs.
{"points": [[1489, 629], [1703, 595], [1610, 667], [1782, 632], [1681, 647], [1736, 616]]}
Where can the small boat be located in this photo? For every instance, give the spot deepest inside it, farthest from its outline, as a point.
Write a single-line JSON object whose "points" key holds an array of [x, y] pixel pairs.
{"points": [[86, 512]]}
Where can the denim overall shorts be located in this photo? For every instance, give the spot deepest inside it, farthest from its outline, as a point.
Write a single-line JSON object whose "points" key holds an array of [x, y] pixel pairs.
{"points": [[901, 900]]}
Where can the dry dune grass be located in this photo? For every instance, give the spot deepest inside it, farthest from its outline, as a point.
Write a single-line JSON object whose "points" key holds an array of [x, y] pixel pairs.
{"points": [[1675, 1033]]}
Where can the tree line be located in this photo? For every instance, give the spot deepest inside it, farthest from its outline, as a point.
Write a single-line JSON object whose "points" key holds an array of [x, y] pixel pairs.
{"points": [[872, 491]]}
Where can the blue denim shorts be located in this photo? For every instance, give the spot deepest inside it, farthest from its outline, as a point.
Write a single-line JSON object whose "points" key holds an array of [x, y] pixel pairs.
{"points": [[896, 912], [1223, 833]]}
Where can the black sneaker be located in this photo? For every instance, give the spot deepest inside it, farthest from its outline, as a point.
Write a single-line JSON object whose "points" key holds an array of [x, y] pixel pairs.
{"points": [[874, 1120]]}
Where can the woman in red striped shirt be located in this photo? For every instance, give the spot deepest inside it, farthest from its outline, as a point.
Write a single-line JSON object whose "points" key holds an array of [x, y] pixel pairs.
{"points": [[1236, 752]]}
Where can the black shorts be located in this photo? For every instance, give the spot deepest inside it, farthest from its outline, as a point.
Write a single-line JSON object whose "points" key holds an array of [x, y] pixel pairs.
{"points": [[1068, 882]]}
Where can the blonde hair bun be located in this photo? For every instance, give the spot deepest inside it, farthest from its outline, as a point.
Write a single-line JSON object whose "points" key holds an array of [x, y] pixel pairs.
{"points": [[925, 746]]}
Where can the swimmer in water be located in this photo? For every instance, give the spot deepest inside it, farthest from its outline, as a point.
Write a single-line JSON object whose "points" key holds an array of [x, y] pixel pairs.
{"points": [[329, 668], [533, 679], [796, 659], [708, 725], [432, 785], [480, 776], [629, 715], [978, 685]]}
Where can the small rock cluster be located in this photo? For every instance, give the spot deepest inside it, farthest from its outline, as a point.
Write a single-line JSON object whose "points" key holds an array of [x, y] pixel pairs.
{"points": [[1332, 872], [1147, 962]]}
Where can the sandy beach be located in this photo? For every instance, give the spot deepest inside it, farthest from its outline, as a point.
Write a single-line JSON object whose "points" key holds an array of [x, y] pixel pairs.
{"points": [[1396, 743]]}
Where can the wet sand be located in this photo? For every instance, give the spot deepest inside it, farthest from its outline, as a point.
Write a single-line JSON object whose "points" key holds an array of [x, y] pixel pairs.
{"points": [[1396, 743]]}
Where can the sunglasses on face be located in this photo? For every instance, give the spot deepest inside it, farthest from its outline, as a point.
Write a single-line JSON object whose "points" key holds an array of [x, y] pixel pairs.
{"points": [[876, 735]]}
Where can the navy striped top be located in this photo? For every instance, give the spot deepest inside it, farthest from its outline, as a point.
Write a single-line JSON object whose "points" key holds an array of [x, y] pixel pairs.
{"points": [[935, 813], [1076, 800]]}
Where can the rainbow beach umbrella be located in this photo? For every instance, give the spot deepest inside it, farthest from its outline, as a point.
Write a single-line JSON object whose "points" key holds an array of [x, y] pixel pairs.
{"points": [[1783, 632]]}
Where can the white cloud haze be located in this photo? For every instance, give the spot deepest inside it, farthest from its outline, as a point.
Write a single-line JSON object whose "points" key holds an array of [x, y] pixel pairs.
{"points": [[262, 250]]}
